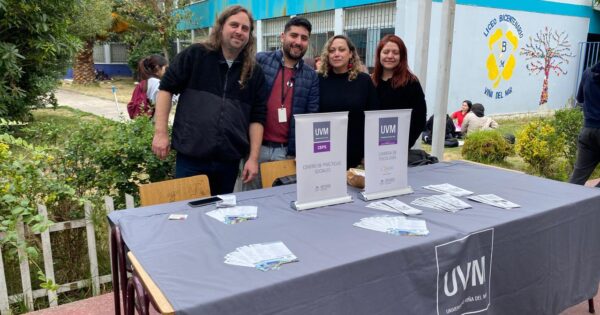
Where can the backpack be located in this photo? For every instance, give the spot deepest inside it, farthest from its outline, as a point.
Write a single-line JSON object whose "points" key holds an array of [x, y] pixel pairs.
{"points": [[417, 157], [450, 141], [139, 103]]}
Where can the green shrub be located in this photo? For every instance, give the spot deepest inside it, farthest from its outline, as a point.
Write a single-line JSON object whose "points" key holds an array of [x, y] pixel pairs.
{"points": [[109, 158], [540, 146], [486, 146], [103, 157], [568, 122]]}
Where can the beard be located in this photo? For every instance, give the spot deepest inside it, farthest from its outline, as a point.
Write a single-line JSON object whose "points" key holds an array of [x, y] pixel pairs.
{"points": [[287, 50]]}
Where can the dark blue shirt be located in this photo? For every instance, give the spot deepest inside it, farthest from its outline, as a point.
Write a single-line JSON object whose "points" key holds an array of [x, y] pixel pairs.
{"points": [[589, 95]]}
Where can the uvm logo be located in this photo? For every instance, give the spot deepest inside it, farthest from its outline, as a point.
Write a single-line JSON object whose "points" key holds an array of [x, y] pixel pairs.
{"points": [[388, 130], [464, 274], [503, 35], [322, 136]]}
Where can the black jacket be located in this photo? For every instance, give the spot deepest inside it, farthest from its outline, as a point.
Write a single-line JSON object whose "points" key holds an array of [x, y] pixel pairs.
{"points": [[589, 95], [410, 96], [214, 113]]}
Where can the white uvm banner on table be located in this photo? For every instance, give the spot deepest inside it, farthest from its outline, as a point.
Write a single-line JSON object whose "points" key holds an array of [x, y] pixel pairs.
{"points": [[321, 160], [386, 153]]}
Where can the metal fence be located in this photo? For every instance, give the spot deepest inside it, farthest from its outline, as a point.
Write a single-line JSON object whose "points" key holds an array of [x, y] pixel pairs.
{"points": [[589, 55]]}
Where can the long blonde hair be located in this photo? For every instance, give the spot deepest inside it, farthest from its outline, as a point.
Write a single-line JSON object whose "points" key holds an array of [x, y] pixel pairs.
{"points": [[356, 67], [248, 53]]}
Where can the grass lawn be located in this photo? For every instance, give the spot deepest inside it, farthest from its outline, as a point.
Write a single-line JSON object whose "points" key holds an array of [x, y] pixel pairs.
{"points": [[103, 89], [506, 126]]}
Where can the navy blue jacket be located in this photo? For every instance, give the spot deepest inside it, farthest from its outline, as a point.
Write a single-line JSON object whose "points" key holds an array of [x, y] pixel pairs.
{"points": [[306, 88], [589, 95]]}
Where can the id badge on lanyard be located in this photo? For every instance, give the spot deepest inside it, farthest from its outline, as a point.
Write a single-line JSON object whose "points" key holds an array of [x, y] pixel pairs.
{"points": [[282, 114], [282, 111]]}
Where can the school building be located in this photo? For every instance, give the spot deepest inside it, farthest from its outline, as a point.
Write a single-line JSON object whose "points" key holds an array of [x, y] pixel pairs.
{"points": [[513, 56]]}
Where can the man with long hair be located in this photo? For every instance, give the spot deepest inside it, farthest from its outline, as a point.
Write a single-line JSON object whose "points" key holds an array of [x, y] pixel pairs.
{"points": [[221, 109], [294, 89]]}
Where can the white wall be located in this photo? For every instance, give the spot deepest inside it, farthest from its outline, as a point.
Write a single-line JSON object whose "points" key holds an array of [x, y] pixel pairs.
{"points": [[469, 74]]}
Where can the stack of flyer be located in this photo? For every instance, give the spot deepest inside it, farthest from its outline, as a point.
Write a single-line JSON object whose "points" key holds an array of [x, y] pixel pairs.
{"points": [[235, 214], [495, 201], [444, 202], [449, 189], [394, 205], [396, 225], [265, 256]]}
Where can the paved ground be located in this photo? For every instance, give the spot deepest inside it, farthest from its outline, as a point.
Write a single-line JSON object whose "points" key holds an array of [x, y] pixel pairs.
{"points": [[94, 105], [103, 305]]}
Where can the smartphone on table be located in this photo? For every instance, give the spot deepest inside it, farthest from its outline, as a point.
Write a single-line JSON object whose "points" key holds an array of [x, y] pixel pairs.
{"points": [[204, 201]]}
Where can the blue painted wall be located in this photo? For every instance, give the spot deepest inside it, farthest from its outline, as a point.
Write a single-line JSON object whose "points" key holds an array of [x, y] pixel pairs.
{"points": [[204, 13]]}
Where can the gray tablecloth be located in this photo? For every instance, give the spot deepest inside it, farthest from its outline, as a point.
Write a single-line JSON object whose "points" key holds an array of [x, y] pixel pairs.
{"points": [[537, 259]]}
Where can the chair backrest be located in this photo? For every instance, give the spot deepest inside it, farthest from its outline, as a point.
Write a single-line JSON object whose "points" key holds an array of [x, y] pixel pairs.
{"points": [[270, 171], [174, 190]]}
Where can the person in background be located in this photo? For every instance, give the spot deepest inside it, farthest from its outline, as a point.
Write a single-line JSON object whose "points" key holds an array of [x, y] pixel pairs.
{"points": [[344, 87], [588, 142], [317, 62], [293, 89], [475, 120], [397, 86], [459, 115], [151, 69], [221, 110]]}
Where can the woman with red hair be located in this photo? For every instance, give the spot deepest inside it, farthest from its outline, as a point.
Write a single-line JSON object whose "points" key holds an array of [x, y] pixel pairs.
{"points": [[397, 87]]}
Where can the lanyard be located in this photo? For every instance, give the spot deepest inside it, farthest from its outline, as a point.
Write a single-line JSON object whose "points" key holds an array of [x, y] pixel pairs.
{"points": [[290, 84]]}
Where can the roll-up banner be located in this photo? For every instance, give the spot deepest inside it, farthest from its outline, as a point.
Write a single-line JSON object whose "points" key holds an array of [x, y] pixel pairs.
{"points": [[386, 153], [321, 160]]}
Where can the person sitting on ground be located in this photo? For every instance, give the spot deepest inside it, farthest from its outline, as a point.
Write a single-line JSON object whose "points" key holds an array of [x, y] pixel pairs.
{"points": [[450, 140], [459, 115], [475, 120]]}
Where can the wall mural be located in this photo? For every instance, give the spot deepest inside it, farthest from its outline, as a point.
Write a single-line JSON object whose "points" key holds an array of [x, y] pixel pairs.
{"points": [[503, 35], [548, 51]]}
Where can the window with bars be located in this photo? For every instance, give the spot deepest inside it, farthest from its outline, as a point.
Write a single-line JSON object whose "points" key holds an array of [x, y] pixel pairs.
{"points": [[118, 53], [99, 54], [271, 30], [366, 25], [322, 28]]}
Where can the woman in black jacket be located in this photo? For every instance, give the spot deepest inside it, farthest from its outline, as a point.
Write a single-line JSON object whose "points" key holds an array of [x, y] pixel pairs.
{"points": [[344, 87], [397, 86]]}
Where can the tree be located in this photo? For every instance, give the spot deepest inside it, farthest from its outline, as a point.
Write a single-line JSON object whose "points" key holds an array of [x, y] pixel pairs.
{"points": [[152, 25], [92, 20], [35, 50], [548, 51]]}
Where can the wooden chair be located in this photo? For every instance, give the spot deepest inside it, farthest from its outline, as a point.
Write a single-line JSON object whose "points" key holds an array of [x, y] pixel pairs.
{"points": [[270, 171], [174, 190]]}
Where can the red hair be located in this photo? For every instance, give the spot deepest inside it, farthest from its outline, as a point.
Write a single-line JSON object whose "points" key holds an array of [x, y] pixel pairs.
{"points": [[402, 74]]}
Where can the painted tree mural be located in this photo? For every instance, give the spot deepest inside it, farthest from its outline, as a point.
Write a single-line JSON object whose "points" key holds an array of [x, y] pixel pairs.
{"points": [[549, 51]]}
